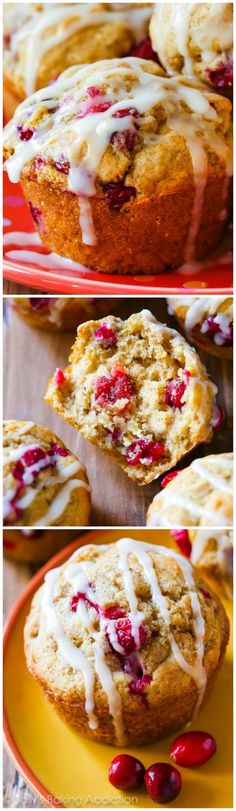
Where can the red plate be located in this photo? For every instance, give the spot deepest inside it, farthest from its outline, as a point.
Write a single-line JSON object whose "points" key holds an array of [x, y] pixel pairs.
{"points": [[213, 276]]}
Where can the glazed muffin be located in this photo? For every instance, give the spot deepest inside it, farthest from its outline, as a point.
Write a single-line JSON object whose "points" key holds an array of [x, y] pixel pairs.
{"points": [[43, 483], [207, 322], [41, 40], [58, 314], [195, 39], [137, 390], [117, 149], [124, 641], [212, 553], [200, 495], [35, 545]]}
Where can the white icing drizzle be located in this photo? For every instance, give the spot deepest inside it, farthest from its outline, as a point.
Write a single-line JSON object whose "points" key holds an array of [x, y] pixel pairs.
{"points": [[60, 502], [197, 308], [20, 431], [216, 481], [200, 542], [141, 90]]}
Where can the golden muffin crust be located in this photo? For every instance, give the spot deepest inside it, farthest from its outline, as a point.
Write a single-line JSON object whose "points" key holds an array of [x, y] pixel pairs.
{"points": [[124, 641], [58, 314], [207, 321], [212, 553], [43, 483], [116, 149], [201, 495], [137, 390], [195, 39]]}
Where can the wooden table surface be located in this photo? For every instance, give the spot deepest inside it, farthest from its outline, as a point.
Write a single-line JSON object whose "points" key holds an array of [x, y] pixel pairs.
{"points": [[13, 289], [31, 356]]}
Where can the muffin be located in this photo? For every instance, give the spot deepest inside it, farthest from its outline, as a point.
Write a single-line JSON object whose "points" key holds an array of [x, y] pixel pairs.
{"points": [[200, 495], [41, 40], [35, 545], [207, 322], [43, 483], [195, 39], [137, 390], [212, 553], [124, 641], [58, 314], [124, 169]]}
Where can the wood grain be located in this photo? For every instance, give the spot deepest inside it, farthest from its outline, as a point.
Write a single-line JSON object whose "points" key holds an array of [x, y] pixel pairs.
{"points": [[31, 356]]}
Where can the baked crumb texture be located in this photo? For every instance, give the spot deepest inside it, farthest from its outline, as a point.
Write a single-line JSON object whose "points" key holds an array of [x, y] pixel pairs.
{"points": [[200, 495], [124, 169], [59, 314], [212, 553], [126, 641], [207, 321], [43, 483], [137, 390]]}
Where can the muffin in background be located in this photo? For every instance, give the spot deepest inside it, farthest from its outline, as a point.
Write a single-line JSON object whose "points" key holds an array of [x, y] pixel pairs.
{"points": [[35, 545], [59, 314], [207, 322]]}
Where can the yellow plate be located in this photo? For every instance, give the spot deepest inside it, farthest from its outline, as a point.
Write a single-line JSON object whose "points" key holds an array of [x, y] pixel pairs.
{"points": [[66, 770]]}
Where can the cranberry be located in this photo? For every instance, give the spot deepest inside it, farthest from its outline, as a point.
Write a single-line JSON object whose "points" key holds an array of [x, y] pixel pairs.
{"points": [[144, 50], [205, 593], [181, 537], [168, 478], [163, 782], [39, 162], [124, 631], [125, 112], [113, 612], [36, 214], [106, 336], [118, 386], [31, 457], [126, 772], [62, 165], [218, 417], [59, 378], [124, 140], [90, 108], [75, 599], [131, 665], [144, 450], [117, 194], [116, 435], [192, 749], [39, 303], [138, 686], [175, 391], [222, 75], [95, 91], [57, 450], [25, 133]]}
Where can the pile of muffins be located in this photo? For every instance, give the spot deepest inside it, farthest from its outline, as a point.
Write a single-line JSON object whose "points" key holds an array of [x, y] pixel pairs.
{"points": [[108, 144]]}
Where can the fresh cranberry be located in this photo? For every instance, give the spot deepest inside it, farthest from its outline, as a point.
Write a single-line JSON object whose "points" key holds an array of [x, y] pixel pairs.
{"points": [[59, 378], [138, 686], [124, 631], [144, 450], [62, 165], [31, 457], [144, 50], [7, 40], [75, 599], [163, 782], [181, 537], [91, 108], [218, 417], [106, 336], [118, 386], [36, 214], [205, 593], [222, 75], [192, 749], [117, 194], [125, 112], [25, 133], [39, 162], [175, 391], [39, 303], [95, 91], [113, 612], [124, 140], [126, 772], [57, 450], [116, 435], [168, 478]]}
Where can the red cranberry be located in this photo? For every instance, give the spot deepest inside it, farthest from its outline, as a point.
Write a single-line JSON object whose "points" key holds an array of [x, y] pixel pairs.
{"points": [[125, 112], [126, 772], [62, 165], [39, 162], [59, 378], [117, 194], [163, 782], [124, 140], [39, 303], [138, 686], [144, 50], [106, 336], [31, 457], [57, 450], [116, 435], [222, 75], [144, 450], [218, 417], [205, 593], [168, 478], [124, 631], [113, 612], [75, 599], [131, 665], [192, 749], [118, 386], [181, 537], [95, 91], [25, 133], [36, 214], [176, 390], [93, 108]]}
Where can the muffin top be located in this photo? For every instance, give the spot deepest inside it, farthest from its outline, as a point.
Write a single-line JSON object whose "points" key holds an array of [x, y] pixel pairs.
{"points": [[200, 495], [43, 39], [114, 616], [37, 475], [213, 314], [195, 39]]}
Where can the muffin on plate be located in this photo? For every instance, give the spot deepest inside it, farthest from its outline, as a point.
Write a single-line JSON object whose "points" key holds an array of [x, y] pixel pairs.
{"points": [[125, 169], [43, 483], [207, 322], [43, 39], [195, 39], [137, 390], [200, 495], [35, 545], [124, 641], [58, 314]]}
